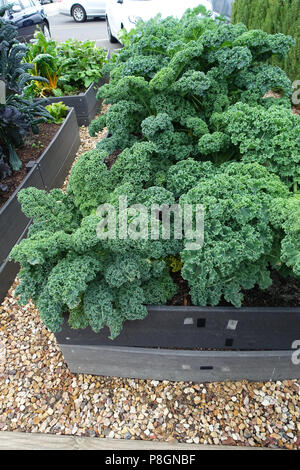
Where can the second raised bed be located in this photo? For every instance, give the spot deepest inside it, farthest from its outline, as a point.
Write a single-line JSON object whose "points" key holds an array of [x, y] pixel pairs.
{"points": [[86, 105]]}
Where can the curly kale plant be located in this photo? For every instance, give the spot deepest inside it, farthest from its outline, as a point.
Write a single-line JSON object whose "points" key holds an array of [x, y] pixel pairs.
{"points": [[268, 136], [103, 282], [191, 124], [239, 237], [66, 267], [206, 99]]}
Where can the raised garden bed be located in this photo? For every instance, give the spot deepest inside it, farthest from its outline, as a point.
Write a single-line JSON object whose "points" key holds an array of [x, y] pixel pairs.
{"points": [[200, 138], [47, 172], [86, 105], [201, 344]]}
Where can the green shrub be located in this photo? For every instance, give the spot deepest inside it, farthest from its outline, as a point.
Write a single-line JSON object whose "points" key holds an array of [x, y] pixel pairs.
{"points": [[280, 16]]}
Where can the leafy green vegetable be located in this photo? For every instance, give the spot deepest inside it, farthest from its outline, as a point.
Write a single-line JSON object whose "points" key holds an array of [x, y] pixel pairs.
{"points": [[205, 97], [80, 64], [42, 53], [70, 67], [70, 268], [58, 111], [238, 237], [268, 136]]}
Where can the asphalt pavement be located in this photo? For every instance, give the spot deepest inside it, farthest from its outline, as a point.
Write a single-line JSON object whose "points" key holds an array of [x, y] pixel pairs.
{"points": [[64, 27]]}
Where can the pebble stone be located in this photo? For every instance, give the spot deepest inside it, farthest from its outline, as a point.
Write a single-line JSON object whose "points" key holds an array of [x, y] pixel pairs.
{"points": [[39, 394]]}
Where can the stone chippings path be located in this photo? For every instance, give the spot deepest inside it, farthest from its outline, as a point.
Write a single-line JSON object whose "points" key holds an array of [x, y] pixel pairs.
{"points": [[39, 394]]}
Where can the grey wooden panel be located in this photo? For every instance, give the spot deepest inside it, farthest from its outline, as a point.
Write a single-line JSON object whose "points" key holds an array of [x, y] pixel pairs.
{"points": [[58, 151], [180, 365], [78, 102], [8, 273], [199, 327], [90, 95], [86, 120], [12, 220], [9, 270], [65, 165]]}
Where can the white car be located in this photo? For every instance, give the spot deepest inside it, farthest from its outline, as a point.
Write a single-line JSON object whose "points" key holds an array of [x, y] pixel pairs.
{"points": [[83, 9], [125, 13]]}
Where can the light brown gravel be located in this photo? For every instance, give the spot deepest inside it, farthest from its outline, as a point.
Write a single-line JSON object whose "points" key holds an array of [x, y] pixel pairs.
{"points": [[273, 94], [39, 394]]}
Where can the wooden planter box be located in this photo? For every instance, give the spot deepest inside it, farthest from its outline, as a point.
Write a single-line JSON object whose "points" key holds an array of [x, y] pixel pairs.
{"points": [[198, 344], [48, 172], [86, 105], [175, 343]]}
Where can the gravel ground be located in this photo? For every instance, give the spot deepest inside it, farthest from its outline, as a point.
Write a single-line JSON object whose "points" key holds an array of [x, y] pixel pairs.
{"points": [[39, 394]]}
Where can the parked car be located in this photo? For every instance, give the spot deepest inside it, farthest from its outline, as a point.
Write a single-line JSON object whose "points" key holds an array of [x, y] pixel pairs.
{"points": [[27, 15], [125, 13], [84, 9], [223, 7]]}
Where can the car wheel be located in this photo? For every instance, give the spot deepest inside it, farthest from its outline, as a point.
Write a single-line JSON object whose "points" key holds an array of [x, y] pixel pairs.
{"points": [[78, 13], [46, 32], [111, 38]]}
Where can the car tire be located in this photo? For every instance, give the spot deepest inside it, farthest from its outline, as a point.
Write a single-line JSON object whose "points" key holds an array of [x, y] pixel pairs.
{"points": [[78, 13], [111, 38], [46, 31]]}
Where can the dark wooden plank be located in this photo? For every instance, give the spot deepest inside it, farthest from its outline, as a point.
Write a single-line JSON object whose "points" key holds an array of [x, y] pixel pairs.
{"points": [[86, 120], [8, 273], [9, 270], [78, 102], [90, 95], [58, 151], [66, 163], [199, 327], [196, 366], [12, 220]]}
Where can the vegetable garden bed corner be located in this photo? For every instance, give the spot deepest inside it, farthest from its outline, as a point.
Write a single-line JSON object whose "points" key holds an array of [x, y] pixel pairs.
{"points": [[85, 105], [191, 344]]}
